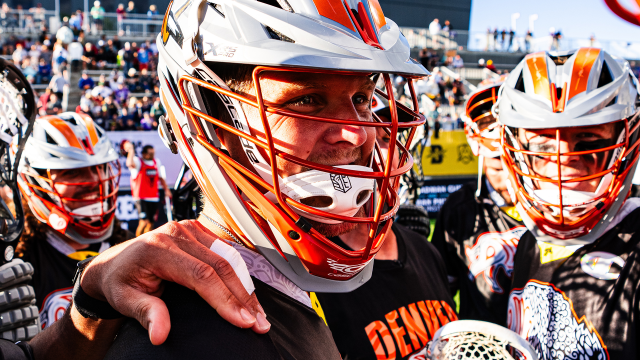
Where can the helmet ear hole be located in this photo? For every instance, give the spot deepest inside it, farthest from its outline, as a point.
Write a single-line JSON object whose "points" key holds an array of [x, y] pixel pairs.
{"points": [[318, 201], [363, 196]]}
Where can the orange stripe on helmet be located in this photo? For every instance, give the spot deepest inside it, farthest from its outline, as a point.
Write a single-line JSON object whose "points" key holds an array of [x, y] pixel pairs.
{"points": [[378, 15], [334, 10], [66, 131], [537, 64], [91, 127], [165, 29], [584, 60]]}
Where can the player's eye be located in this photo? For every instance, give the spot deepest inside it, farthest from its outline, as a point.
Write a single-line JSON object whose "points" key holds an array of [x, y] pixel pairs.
{"points": [[306, 100]]}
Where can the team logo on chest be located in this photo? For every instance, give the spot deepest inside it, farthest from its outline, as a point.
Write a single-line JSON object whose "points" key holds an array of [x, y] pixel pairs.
{"points": [[544, 315], [54, 306], [492, 252], [601, 265]]}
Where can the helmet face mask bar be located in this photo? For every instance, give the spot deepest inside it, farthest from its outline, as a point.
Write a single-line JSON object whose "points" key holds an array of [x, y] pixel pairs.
{"points": [[570, 140], [285, 214], [70, 177], [273, 190], [481, 128]]}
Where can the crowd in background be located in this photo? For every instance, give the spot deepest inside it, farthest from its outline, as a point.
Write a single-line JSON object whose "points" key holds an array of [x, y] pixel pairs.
{"points": [[119, 82]]}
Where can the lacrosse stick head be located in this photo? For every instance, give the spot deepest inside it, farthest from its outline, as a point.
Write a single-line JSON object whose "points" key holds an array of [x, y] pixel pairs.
{"points": [[478, 340], [17, 116]]}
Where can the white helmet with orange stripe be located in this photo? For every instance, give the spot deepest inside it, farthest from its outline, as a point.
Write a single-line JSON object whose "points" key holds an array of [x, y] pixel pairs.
{"points": [[570, 141], [212, 57], [69, 175]]}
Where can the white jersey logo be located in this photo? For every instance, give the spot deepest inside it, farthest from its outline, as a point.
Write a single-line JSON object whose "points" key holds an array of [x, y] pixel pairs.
{"points": [[491, 252], [544, 316], [54, 306], [599, 265]]}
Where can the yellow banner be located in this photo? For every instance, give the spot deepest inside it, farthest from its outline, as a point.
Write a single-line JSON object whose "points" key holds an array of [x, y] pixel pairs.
{"points": [[448, 155]]}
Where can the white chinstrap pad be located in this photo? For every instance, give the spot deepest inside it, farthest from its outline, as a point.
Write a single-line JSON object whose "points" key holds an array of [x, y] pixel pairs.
{"points": [[343, 190]]}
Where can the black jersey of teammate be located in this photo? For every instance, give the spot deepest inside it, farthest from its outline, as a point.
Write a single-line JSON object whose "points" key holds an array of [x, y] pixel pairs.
{"points": [[53, 271], [396, 313], [198, 332], [478, 242], [582, 304]]}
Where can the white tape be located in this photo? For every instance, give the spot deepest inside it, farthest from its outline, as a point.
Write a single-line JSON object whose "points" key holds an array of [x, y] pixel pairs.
{"points": [[234, 259]]}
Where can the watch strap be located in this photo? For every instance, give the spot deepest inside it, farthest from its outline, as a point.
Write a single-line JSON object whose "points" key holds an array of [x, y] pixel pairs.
{"points": [[88, 306]]}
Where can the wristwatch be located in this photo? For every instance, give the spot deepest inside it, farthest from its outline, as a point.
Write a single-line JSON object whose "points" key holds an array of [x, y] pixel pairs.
{"points": [[86, 305]]}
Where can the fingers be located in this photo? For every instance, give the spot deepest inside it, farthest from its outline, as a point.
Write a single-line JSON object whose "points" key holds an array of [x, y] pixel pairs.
{"points": [[151, 313]]}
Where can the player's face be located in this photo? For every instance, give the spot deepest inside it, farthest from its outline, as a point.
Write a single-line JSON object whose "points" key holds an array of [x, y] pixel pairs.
{"points": [[571, 139], [321, 95], [497, 176], [82, 184]]}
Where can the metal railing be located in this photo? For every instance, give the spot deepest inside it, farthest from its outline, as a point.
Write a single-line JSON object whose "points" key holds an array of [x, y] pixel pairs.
{"points": [[482, 41], [125, 25], [26, 21]]}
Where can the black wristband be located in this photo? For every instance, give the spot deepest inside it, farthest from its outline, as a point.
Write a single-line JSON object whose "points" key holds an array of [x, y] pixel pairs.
{"points": [[88, 306], [92, 308]]}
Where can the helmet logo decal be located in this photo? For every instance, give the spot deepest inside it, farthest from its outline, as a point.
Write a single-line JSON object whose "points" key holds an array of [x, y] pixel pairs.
{"points": [[538, 67], [344, 269], [363, 22], [558, 103], [335, 12], [599, 263], [58, 220], [341, 182], [585, 59]]}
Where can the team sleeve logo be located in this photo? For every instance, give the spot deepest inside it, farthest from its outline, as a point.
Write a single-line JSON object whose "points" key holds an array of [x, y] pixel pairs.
{"points": [[544, 315], [492, 252]]}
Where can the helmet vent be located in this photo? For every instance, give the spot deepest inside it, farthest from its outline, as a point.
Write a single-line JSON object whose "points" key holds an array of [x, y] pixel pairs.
{"points": [[218, 8], [275, 34], [282, 4], [51, 141], [605, 76], [520, 83], [612, 102]]}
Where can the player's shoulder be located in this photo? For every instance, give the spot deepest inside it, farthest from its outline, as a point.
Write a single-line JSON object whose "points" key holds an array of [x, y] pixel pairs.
{"points": [[197, 332], [417, 244]]}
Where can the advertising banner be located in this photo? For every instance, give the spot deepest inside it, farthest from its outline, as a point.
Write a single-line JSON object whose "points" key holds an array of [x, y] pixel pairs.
{"points": [[447, 155]]}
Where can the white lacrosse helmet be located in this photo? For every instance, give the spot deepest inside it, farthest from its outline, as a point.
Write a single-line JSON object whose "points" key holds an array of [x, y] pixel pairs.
{"points": [[63, 142], [559, 93], [350, 38]]}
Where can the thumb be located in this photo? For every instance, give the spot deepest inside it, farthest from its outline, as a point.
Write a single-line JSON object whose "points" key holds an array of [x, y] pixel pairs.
{"points": [[151, 313]]}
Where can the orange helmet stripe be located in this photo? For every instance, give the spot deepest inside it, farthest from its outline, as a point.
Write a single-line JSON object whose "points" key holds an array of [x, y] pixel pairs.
{"points": [[91, 127], [537, 64], [585, 57], [378, 15], [335, 12], [66, 131]]}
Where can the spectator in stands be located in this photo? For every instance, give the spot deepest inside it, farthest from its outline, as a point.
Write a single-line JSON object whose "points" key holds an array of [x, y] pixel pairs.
{"points": [[75, 22], [122, 93], [54, 106], [58, 82], [27, 68], [147, 122], [143, 58], [151, 14], [128, 121], [19, 55], [60, 55], [44, 72], [503, 38], [131, 8], [45, 54], [109, 108], [38, 15], [44, 98], [512, 34], [120, 13], [34, 54], [434, 30], [495, 39], [157, 109], [490, 65], [488, 45], [527, 40], [102, 89], [127, 56], [85, 82], [457, 62], [97, 14]]}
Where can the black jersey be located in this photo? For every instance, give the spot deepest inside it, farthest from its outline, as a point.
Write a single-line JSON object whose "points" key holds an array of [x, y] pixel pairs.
{"points": [[478, 241], [396, 313], [198, 332], [580, 302], [55, 263]]}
